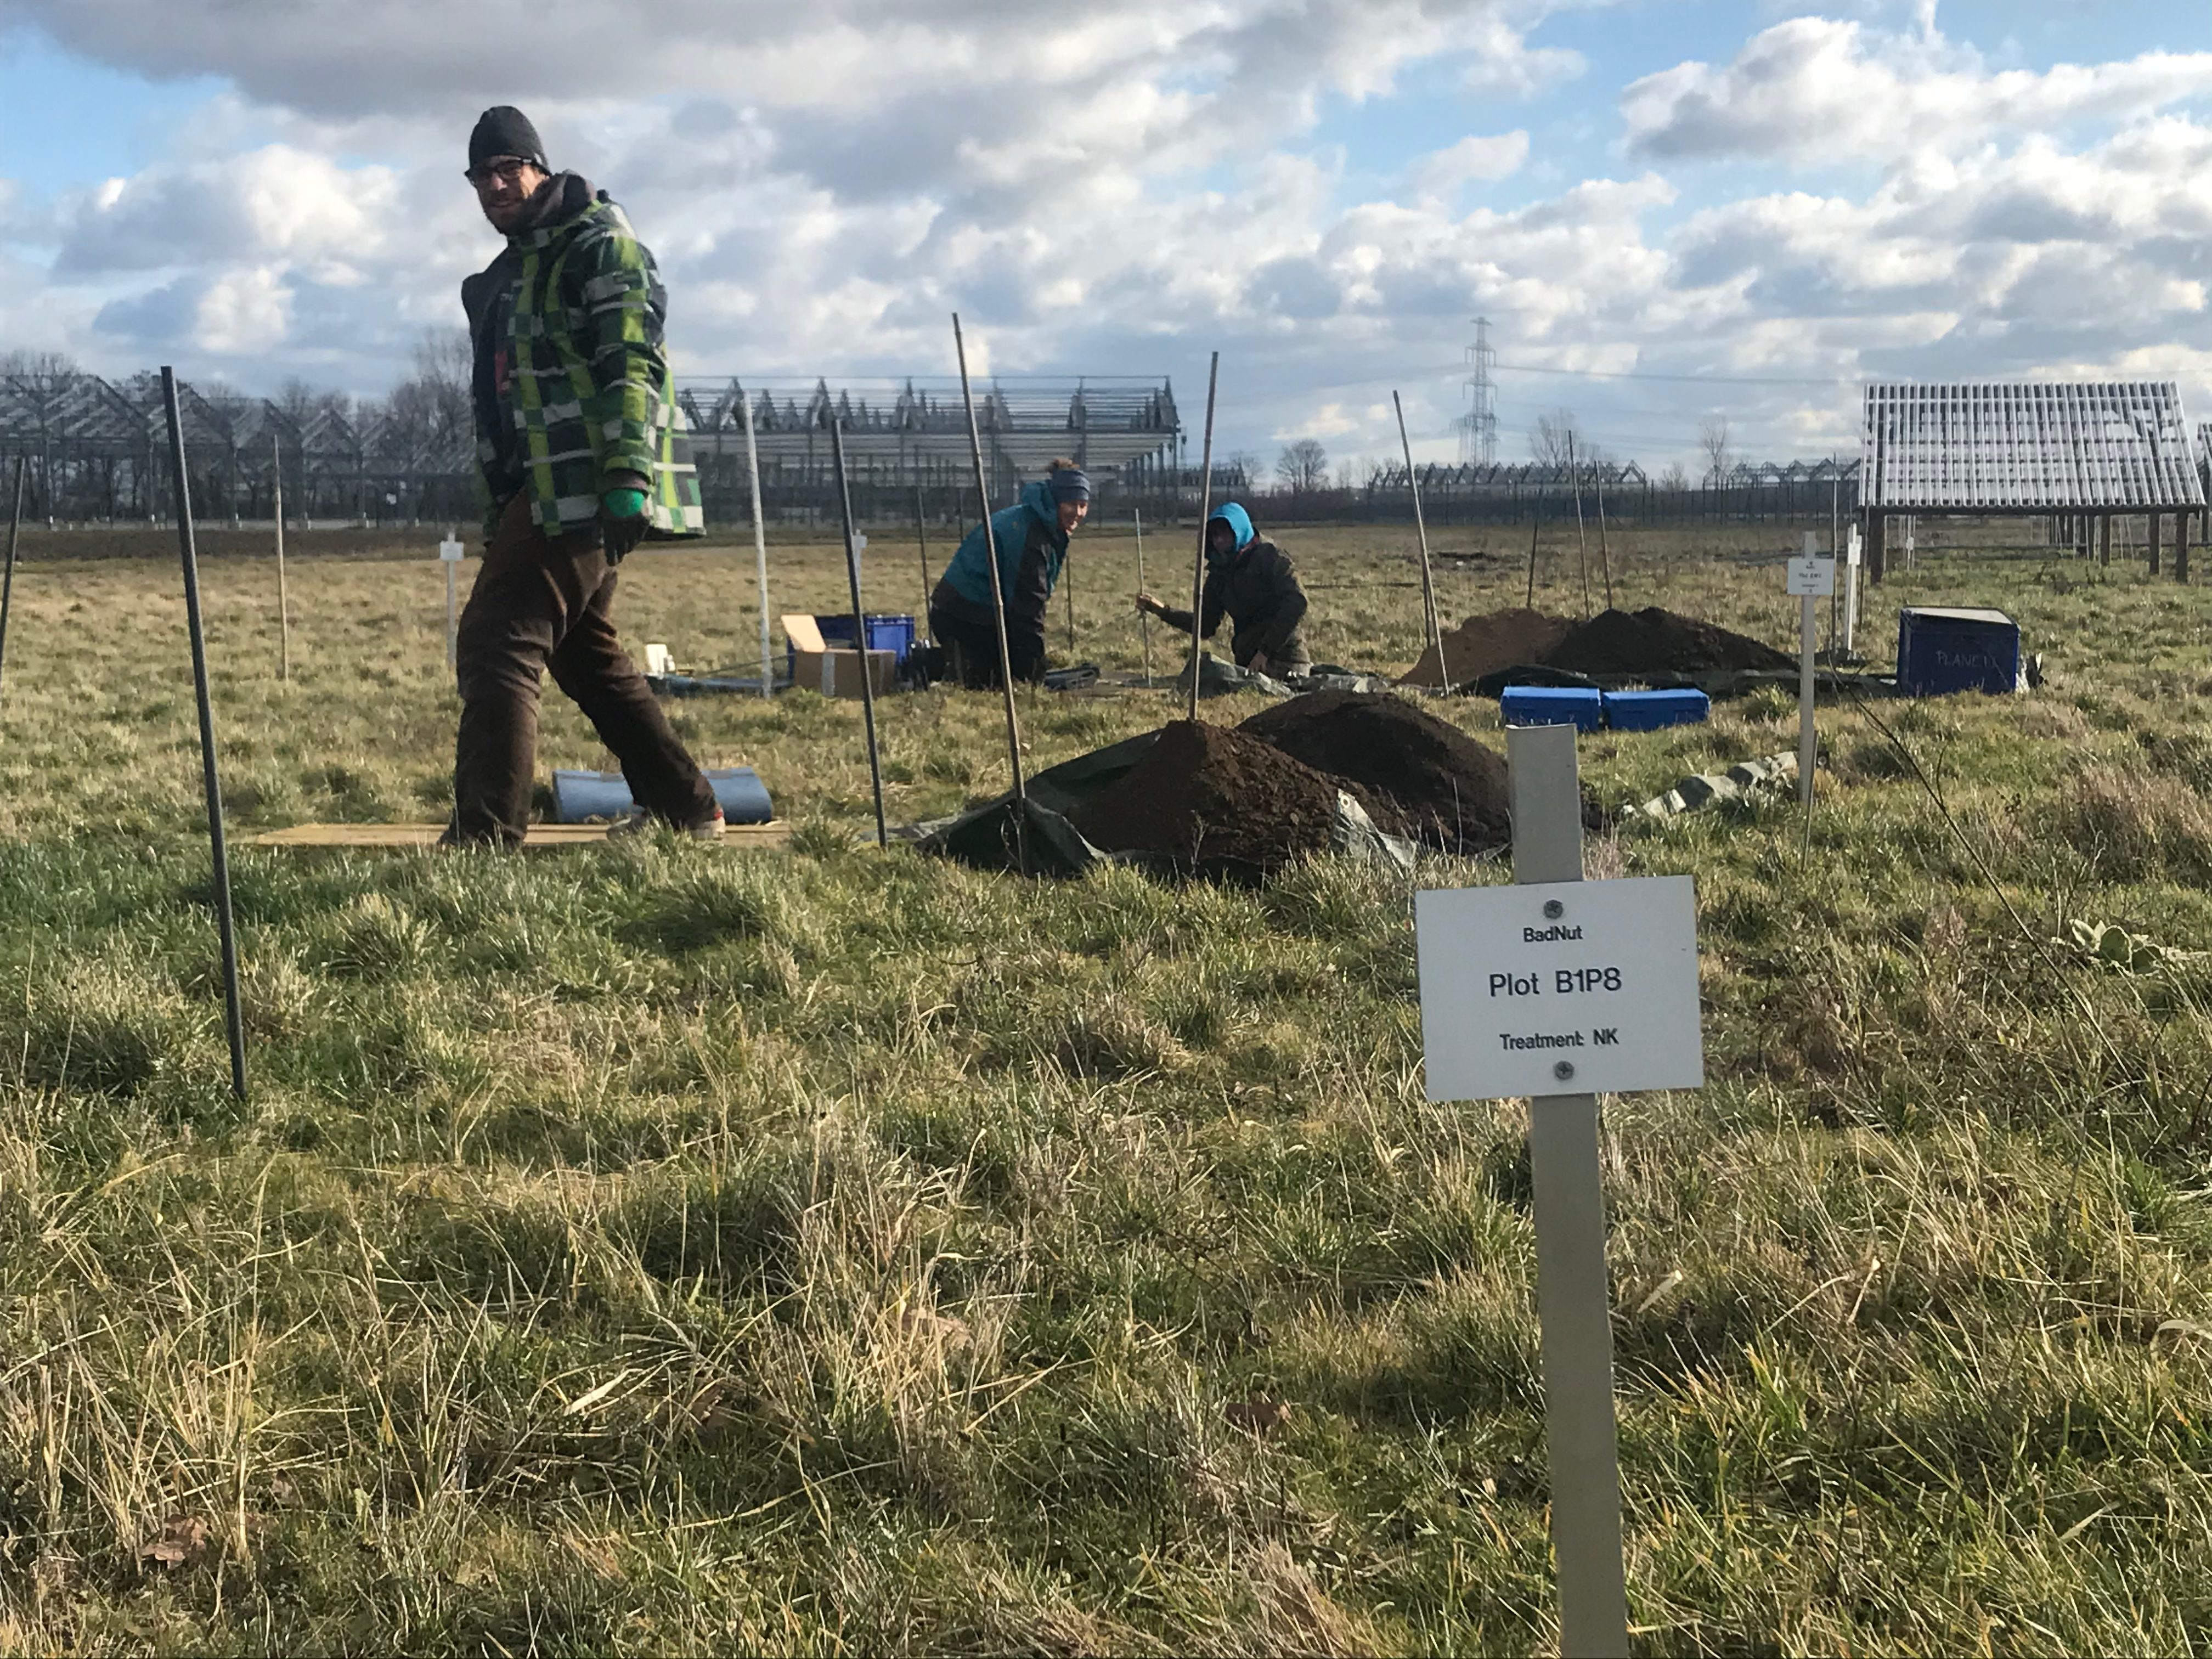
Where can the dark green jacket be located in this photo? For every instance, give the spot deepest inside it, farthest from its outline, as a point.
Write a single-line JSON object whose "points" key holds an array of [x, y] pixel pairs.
{"points": [[571, 378], [1258, 591]]}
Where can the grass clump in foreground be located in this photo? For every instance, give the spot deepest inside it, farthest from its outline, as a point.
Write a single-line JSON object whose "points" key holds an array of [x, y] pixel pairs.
{"points": [[657, 1249]]}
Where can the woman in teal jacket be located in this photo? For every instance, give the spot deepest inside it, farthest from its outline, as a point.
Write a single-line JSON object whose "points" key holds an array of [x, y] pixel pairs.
{"points": [[1032, 541]]}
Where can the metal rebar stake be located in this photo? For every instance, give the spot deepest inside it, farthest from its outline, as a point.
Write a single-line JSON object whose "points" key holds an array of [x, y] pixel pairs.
{"points": [[233, 1012], [1574, 1293]]}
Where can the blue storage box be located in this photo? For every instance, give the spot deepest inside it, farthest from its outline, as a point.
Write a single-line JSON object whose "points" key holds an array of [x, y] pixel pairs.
{"points": [[580, 797], [1552, 705], [886, 632], [1942, 650], [1647, 711]]}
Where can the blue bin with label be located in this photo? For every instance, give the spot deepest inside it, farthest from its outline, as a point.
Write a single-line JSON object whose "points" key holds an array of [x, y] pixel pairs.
{"points": [[1648, 711], [1942, 649], [1552, 705]]}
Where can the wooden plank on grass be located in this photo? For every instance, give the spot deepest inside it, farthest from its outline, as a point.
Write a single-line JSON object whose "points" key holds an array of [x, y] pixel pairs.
{"points": [[541, 838]]}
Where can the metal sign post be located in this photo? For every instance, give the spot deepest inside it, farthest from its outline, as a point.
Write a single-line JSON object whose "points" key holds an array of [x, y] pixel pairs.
{"points": [[233, 1014], [1811, 577], [450, 553], [1555, 982]]}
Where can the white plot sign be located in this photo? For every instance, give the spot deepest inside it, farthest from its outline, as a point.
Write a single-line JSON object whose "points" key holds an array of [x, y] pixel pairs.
{"points": [[1810, 576], [1560, 988]]}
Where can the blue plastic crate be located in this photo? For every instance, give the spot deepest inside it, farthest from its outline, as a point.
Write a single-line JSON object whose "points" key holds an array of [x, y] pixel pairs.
{"points": [[1552, 705], [1942, 650], [1647, 711], [886, 632]]}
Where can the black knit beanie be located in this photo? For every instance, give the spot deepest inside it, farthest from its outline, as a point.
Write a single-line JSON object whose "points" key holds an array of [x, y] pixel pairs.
{"points": [[505, 130]]}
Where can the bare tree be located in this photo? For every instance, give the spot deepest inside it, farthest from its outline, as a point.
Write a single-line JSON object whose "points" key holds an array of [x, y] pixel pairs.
{"points": [[1674, 479], [1302, 466], [1554, 434], [37, 363], [1713, 444]]}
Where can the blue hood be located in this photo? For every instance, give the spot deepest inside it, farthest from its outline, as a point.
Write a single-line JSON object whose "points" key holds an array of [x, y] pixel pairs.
{"points": [[1239, 522]]}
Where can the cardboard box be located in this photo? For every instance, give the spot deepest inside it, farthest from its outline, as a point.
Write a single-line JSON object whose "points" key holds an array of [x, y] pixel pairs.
{"points": [[815, 666]]}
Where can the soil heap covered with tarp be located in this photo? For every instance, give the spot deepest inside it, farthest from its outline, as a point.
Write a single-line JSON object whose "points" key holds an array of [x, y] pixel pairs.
{"points": [[1654, 641], [1482, 645], [1417, 776], [1215, 800]]}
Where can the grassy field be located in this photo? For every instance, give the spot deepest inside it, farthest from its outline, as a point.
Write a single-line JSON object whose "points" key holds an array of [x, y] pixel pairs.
{"points": [[661, 1250]]}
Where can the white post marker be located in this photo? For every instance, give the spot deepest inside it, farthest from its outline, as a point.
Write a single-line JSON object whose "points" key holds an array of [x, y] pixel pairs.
{"points": [[1811, 577], [1549, 985], [449, 555], [1852, 556]]}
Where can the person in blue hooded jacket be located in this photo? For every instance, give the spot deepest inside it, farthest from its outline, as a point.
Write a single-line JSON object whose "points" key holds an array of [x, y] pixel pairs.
{"points": [[1031, 539], [1250, 580]]}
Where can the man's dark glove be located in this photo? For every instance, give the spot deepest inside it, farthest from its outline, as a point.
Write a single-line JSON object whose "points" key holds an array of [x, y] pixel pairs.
{"points": [[623, 521]]}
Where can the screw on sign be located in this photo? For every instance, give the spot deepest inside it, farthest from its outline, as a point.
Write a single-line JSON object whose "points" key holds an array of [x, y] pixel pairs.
{"points": [[1514, 981]]}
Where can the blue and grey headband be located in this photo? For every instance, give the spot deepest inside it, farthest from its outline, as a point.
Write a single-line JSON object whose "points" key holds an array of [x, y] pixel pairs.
{"points": [[1068, 484]]}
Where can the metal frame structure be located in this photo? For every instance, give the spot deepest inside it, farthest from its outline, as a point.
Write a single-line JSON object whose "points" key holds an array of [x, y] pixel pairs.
{"points": [[910, 434], [2079, 454], [97, 449]]}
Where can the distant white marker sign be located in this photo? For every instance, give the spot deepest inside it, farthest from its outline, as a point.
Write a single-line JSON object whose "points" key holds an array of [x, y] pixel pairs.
{"points": [[450, 552], [1565, 987], [1809, 576]]}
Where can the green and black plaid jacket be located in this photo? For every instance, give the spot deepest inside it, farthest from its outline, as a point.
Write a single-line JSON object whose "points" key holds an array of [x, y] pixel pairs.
{"points": [[571, 378]]}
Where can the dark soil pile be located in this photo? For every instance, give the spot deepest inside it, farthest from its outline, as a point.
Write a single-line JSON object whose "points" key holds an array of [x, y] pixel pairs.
{"points": [[1657, 641], [1213, 800], [1482, 645], [1417, 775]]}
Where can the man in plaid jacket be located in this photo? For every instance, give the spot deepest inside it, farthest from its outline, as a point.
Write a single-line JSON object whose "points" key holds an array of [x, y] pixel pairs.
{"points": [[581, 448]]}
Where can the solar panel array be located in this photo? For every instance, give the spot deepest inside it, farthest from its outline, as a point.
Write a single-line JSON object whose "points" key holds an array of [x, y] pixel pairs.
{"points": [[2120, 446]]}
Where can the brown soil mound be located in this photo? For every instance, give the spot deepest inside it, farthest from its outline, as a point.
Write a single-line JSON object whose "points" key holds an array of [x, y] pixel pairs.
{"points": [[1657, 641], [1482, 645], [1208, 798], [1418, 775]]}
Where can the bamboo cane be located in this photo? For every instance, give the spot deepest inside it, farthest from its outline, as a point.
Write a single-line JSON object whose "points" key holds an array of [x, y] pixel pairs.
{"points": [[1421, 529], [859, 628], [760, 548], [998, 607], [1532, 556], [921, 540], [1205, 510], [1581, 536], [8, 580], [283, 597], [1144, 617], [1604, 545]]}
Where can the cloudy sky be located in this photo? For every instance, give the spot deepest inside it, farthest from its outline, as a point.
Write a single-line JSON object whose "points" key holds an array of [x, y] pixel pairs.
{"points": [[1668, 208]]}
